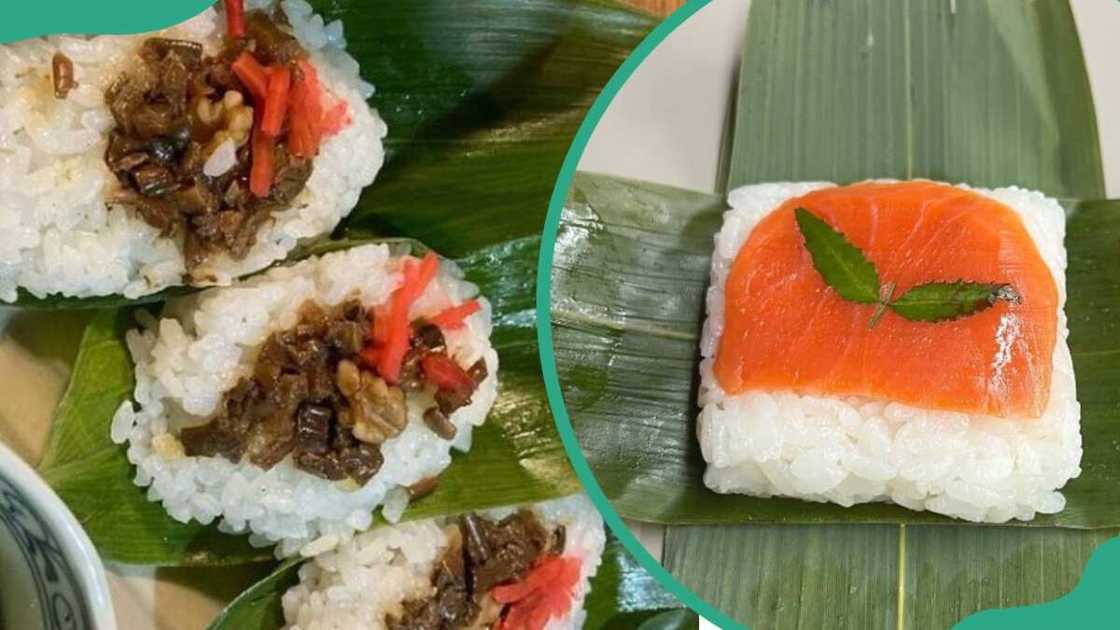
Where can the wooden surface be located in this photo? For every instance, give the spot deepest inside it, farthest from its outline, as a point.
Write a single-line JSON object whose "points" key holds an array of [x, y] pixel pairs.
{"points": [[656, 7]]}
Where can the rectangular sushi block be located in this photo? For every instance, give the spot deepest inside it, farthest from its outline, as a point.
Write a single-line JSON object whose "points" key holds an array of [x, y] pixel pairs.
{"points": [[447, 572], [804, 395]]}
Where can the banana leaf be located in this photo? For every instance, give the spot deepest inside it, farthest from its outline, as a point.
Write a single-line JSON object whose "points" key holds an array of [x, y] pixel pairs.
{"points": [[622, 596], [481, 100]]}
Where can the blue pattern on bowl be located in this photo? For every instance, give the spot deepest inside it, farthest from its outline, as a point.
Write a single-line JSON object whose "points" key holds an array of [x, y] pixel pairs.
{"points": [[60, 599]]}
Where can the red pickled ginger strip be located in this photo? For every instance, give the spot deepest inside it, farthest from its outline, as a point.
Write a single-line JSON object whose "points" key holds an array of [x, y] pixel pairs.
{"points": [[276, 101], [253, 75], [445, 373], [399, 330], [262, 169], [235, 18], [545, 593], [455, 316]]}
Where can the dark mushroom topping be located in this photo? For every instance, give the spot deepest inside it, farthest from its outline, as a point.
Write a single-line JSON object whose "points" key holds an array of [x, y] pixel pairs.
{"points": [[423, 488], [439, 424], [480, 555], [312, 397], [272, 44], [62, 75], [174, 110]]}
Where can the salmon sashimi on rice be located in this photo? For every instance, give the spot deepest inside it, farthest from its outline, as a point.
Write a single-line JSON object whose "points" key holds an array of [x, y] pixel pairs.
{"points": [[891, 341]]}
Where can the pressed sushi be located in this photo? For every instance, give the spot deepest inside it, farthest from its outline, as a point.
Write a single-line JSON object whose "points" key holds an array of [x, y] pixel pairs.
{"points": [[188, 156], [515, 568], [807, 394], [292, 404]]}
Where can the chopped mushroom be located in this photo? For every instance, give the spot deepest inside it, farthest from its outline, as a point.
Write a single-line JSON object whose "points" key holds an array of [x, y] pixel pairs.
{"points": [[310, 397], [439, 424], [180, 148], [481, 553], [62, 75]]}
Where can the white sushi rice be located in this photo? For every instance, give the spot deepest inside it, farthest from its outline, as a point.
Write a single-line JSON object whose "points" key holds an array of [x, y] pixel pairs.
{"points": [[850, 450], [357, 585], [204, 344], [60, 233]]}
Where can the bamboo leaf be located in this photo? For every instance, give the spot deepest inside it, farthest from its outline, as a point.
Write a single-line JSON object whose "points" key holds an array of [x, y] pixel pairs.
{"points": [[943, 301], [628, 290], [516, 456], [260, 605], [952, 572], [778, 577], [622, 596], [992, 93], [477, 127], [482, 100], [477, 131], [843, 265]]}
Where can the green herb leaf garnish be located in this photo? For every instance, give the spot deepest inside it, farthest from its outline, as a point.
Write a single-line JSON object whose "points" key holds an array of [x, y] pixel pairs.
{"points": [[843, 266], [943, 301], [855, 278]]}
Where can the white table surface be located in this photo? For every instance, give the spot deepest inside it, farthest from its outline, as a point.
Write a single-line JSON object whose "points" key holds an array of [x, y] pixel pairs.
{"points": [[668, 122]]}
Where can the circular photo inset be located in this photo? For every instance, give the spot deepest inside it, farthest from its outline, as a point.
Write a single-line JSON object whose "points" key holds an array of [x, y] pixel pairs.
{"points": [[832, 306]]}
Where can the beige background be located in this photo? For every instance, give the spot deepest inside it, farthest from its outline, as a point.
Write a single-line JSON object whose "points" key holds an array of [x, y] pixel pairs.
{"points": [[666, 125]]}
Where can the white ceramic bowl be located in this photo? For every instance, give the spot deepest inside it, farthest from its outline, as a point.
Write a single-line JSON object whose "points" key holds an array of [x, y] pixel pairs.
{"points": [[51, 578]]}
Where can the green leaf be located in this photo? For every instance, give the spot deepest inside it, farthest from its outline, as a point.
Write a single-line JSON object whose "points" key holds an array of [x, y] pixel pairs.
{"points": [[843, 265], [785, 577], [628, 294], [481, 99], [991, 93], [92, 475], [792, 576], [854, 278], [477, 131], [943, 301], [622, 596], [516, 456], [260, 605]]}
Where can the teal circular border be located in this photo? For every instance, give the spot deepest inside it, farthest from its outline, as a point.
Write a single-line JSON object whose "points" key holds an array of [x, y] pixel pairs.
{"points": [[544, 319], [23, 20]]}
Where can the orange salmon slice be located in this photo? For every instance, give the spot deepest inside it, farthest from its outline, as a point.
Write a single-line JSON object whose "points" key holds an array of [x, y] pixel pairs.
{"points": [[785, 329]]}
